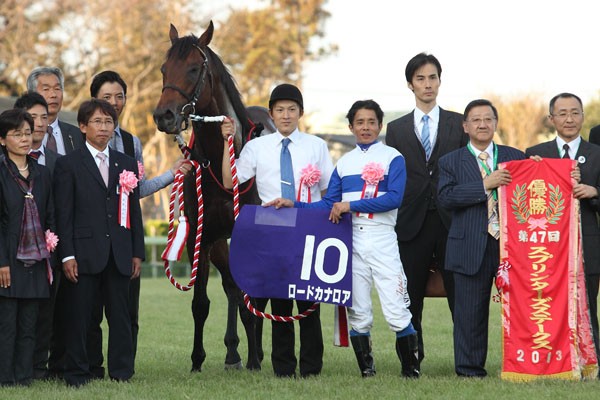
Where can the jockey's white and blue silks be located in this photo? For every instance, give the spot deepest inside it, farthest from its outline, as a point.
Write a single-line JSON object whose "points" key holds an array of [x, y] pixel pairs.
{"points": [[375, 254], [292, 253], [346, 184]]}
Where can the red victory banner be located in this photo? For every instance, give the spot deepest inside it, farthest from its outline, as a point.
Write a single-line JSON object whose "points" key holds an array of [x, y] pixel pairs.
{"points": [[545, 315]]}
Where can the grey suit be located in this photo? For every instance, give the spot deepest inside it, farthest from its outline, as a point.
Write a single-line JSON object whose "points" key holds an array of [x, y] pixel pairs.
{"points": [[72, 136]]}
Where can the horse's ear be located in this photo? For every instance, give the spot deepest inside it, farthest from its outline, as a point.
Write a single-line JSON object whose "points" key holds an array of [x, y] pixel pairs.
{"points": [[173, 34], [207, 35]]}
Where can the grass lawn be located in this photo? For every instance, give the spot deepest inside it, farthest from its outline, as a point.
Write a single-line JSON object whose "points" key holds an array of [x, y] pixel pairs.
{"points": [[165, 343]]}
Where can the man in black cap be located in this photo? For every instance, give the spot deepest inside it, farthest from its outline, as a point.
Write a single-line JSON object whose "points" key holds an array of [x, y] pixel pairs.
{"points": [[276, 161]]}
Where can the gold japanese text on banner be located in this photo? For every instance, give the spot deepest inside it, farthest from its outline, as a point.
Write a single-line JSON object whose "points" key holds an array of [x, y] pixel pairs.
{"points": [[545, 317]]}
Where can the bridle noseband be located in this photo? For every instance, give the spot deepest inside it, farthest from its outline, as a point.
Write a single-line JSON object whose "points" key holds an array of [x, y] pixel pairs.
{"points": [[190, 106]]}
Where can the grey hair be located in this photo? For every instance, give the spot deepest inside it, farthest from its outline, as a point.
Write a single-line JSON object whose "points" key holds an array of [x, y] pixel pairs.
{"points": [[32, 79]]}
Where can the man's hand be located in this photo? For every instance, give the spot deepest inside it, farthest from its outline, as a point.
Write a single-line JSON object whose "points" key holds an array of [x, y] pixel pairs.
{"points": [[496, 179], [5, 276], [576, 174], [337, 210], [583, 191], [136, 267], [227, 128], [70, 270], [182, 165], [535, 158], [280, 202]]}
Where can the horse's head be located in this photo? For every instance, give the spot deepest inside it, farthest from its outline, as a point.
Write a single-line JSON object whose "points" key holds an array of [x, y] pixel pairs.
{"points": [[187, 80]]}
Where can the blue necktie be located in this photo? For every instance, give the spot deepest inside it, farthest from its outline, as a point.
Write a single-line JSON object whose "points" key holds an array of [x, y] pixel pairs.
{"points": [[287, 171], [425, 140]]}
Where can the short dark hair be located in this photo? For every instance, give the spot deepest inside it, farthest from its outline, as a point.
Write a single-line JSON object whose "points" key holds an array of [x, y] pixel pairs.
{"points": [[102, 78], [478, 103], [89, 107], [29, 100], [13, 119], [564, 95], [417, 62], [368, 105]]}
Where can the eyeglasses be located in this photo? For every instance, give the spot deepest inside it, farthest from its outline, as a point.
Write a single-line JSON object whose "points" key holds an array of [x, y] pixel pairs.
{"points": [[573, 114], [99, 122], [19, 135], [477, 121]]}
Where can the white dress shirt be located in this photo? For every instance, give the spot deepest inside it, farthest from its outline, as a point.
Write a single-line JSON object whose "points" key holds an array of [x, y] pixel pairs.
{"points": [[260, 158]]}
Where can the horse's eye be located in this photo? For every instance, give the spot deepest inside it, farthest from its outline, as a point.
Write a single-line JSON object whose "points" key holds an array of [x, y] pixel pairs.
{"points": [[162, 69]]}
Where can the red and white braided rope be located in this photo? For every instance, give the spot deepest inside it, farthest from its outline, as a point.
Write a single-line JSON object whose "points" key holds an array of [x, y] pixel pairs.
{"points": [[177, 192], [234, 178], [236, 213]]}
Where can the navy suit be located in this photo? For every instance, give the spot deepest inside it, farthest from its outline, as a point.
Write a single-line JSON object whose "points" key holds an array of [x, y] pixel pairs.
{"points": [[590, 209], [422, 226], [89, 230], [471, 253]]}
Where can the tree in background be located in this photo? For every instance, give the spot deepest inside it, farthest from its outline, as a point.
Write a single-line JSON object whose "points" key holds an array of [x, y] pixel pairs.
{"points": [[263, 47], [270, 45], [521, 120], [592, 116]]}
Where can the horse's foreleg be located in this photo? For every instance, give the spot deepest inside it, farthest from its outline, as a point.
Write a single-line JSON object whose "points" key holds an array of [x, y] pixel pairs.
{"points": [[260, 305], [220, 259], [200, 310]]}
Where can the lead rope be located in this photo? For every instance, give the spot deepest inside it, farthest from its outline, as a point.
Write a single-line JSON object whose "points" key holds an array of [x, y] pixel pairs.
{"points": [[236, 212], [172, 247]]}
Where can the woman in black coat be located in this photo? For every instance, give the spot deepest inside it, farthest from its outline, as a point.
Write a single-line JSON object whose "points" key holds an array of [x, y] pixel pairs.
{"points": [[26, 212]]}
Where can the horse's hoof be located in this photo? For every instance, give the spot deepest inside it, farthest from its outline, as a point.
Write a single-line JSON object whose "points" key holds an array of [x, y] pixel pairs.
{"points": [[253, 367], [196, 368], [237, 365]]}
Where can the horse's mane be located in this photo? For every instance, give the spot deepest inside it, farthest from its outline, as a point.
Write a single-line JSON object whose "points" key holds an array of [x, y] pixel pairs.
{"points": [[181, 49]]}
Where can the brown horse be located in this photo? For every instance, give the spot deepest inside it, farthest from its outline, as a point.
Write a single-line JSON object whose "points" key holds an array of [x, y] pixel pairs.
{"points": [[195, 81]]}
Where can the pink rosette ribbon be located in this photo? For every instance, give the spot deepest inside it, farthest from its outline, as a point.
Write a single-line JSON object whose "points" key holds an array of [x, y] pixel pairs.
{"points": [[51, 242], [127, 182], [309, 176], [372, 174]]}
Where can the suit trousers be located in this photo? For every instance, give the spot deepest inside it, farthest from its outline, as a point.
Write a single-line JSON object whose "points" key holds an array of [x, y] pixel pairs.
{"points": [[471, 313], [95, 354], [56, 359], [44, 334], [311, 340], [17, 339], [592, 282], [417, 255], [81, 297]]}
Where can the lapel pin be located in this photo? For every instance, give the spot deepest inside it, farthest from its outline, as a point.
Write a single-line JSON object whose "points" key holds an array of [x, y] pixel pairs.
{"points": [[581, 160]]}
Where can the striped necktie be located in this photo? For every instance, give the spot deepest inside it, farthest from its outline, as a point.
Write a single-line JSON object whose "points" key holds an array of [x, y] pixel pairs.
{"points": [[492, 204], [425, 137]]}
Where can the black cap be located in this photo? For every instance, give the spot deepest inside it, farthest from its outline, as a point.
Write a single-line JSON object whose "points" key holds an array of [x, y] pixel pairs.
{"points": [[285, 91]]}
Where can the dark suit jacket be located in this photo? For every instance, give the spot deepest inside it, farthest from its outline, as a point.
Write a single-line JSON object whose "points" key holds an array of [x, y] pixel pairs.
{"points": [[72, 136], [595, 135], [87, 217], [26, 282], [461, 191], [590, 175], [421, 185], [51, 157]]}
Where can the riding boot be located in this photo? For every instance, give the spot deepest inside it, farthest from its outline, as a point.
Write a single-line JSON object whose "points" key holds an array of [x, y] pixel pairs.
{"points": [[407, 348], [362, 348]]}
